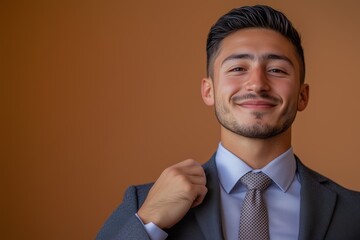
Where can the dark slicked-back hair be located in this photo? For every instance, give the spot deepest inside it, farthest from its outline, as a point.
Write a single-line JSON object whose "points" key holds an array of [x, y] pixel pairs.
{"points": [[258, 16]]}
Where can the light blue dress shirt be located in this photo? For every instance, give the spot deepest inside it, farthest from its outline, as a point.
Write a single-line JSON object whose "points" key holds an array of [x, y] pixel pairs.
{"points": [[282, 198]]}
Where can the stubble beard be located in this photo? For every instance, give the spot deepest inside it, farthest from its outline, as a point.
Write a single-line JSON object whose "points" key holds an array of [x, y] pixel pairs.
{"points": [[257, 130]]}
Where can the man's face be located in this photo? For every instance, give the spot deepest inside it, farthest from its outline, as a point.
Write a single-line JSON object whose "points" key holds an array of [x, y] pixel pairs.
{"points": [[256, 86]]}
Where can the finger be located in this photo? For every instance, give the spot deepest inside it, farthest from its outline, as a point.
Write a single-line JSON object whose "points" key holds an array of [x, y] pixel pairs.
{"points": [[183, 180], [202, 191], [180, 169], [188, 162], [196, 180], [193, 171]]}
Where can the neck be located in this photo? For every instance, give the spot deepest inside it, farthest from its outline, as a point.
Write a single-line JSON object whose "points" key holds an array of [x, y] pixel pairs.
{"points": [[256, 153]]}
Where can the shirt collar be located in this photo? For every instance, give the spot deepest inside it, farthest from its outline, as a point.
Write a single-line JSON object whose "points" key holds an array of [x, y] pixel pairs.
{"points": [[230, 169]]}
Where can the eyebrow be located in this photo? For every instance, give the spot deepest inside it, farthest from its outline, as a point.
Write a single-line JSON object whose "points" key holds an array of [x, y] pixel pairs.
{"points": [[263, 57]]}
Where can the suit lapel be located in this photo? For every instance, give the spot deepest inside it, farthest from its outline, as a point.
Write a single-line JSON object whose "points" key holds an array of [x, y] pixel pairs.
{"points": [[208, 213], [316, 206]]}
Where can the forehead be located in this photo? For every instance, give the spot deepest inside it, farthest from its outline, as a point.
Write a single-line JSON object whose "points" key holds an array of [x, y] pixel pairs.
{"points": [[257, 42]]}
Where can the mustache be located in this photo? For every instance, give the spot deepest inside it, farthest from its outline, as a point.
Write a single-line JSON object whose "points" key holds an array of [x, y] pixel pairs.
{"points": [[265, 96]]}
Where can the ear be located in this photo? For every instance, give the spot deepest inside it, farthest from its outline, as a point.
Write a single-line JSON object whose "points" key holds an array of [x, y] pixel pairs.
{"points": [[207, 91], [303, 97]]}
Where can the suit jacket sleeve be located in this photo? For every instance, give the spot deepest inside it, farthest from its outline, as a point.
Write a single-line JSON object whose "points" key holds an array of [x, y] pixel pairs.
{"points": [[123, 224]]}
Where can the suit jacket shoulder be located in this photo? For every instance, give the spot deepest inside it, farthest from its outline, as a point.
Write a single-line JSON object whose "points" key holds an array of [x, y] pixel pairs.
{"points": [[330, 183], [327, 210], [123, 224]]}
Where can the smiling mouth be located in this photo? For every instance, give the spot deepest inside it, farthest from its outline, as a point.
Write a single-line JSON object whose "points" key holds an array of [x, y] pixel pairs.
{"points": [[257, 104], [254, 101]]}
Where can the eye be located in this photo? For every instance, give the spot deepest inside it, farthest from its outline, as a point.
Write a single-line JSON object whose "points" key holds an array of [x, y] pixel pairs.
{"points": [[237, 69], [277, 71]]}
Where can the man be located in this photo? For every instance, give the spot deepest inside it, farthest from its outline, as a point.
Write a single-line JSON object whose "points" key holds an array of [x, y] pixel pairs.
{"points": [[256, 73]]}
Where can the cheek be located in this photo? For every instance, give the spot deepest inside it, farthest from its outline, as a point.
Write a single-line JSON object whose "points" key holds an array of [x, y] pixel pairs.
{"points": [[228, 87], [288, 92]]}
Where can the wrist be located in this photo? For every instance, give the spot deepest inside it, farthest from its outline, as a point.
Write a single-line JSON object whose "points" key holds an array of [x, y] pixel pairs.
{"points": [[153, 231], [147, 218]]}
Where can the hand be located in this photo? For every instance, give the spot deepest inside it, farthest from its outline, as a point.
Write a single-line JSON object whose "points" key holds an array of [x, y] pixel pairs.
{"points": [[178, 188]]}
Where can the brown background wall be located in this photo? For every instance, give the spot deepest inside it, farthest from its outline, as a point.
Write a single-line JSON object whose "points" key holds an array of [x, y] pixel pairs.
{"points": [[98, 95]]}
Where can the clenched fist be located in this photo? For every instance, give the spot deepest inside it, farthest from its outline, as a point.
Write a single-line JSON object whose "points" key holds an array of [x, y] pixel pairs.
{"points": [[178, 188]]}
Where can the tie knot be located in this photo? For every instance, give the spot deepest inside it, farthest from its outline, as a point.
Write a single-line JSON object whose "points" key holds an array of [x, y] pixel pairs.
{"points": [[259, 181]]}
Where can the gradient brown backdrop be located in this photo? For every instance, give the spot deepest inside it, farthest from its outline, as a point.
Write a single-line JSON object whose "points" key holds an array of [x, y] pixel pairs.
{"points": [[98, 95]]}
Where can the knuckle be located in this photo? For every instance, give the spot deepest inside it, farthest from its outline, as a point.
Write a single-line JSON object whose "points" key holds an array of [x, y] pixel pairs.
{"points": [[191, 161], [172, 171], [182, 179], [187, 187]]}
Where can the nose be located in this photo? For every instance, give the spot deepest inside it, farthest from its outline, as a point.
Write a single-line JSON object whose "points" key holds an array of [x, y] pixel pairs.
{"points": [[257, 81]]}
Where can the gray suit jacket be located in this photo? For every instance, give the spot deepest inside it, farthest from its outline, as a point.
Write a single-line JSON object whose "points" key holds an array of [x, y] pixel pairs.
{"points": [[327, 211]]}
